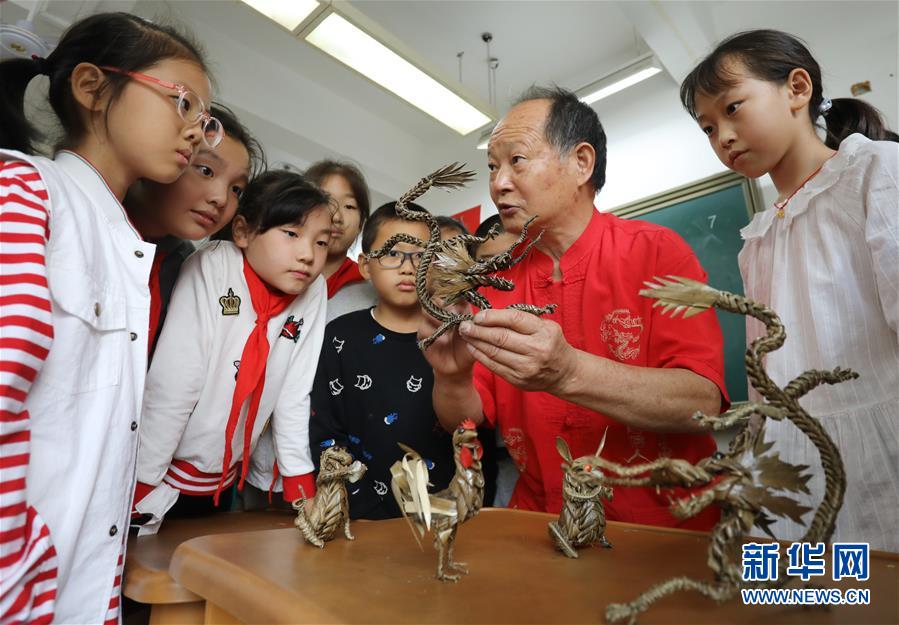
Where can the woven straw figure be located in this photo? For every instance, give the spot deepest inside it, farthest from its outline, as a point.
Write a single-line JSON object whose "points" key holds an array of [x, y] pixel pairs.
{"points": [[455, 275], [582, 521], [442, 513], [330, 507], [748, 483]]}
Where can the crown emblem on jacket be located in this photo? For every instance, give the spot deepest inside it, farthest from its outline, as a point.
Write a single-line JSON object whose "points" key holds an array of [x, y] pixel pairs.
{"points": [[230, 303]]}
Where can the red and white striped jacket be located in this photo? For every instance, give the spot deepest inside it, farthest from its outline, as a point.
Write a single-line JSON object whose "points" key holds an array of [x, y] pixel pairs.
{"points": [[27, 556], [75, 312]]}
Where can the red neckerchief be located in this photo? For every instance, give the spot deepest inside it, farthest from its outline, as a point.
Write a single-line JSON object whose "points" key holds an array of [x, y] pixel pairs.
{"points": [[155, 297], [346, 274], [251, 374]]}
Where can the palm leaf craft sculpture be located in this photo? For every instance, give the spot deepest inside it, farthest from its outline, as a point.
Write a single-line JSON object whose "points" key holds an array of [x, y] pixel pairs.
{"points": [[749, 482], [330, 509], [441, 513], [455, 275], [582, 521]]}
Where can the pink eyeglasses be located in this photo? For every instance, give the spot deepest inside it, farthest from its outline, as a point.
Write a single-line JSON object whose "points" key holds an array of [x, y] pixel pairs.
{"points": [[190, 106]]}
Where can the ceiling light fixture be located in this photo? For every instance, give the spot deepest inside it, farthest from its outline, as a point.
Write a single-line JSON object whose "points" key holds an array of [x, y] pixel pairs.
{"points": [[351, 39], [289, 14], [630, 74], [343, 32]]}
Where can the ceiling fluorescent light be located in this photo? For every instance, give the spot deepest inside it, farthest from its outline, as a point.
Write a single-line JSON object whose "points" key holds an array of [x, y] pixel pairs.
{"points": [[289, 14], [348, 43], [623, 78]]}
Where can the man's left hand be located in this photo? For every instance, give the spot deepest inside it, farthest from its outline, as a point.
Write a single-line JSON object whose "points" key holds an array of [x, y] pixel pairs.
{"points": [[529, 352]]}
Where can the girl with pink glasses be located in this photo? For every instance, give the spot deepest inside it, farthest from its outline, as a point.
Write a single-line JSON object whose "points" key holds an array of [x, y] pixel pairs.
{"points": [[130, 96]]}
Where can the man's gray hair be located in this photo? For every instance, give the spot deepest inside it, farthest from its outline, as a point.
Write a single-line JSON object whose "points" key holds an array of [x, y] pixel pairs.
{"points": [[570, 122]]}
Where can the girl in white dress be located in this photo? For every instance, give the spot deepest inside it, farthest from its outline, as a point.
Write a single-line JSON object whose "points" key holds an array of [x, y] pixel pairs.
{"points": [[825, 256]]}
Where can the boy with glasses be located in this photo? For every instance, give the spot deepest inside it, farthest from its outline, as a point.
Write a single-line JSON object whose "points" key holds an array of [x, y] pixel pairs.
{"points": [[372, 389]]}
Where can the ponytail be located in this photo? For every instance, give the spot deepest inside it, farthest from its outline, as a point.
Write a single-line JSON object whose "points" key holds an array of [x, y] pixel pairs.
{"points": [[16, 132], [772, 55], [120, 40], [850, 115]]}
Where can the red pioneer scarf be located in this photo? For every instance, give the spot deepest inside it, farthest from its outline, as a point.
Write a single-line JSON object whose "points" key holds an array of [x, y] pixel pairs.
{"points": [[155, 296], [346, 274], [251, 374]]}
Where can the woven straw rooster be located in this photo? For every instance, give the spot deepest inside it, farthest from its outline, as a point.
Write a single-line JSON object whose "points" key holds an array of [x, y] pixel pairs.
{"points": [[441, 513]]}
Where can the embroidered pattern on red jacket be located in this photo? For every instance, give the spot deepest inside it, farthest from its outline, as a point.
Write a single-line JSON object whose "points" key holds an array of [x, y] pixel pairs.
{"points": [[515, 445], [621, 330]]}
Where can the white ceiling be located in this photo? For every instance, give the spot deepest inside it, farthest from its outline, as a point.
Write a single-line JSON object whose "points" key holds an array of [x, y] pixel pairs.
{"points": [[304, 105], [570, 43]]}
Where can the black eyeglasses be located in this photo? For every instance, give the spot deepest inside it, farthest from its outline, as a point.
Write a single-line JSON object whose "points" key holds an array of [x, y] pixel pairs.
{"points": [[394, 259]]}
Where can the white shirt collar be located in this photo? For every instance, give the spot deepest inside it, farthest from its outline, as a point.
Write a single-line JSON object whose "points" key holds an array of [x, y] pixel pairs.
{"points": [[93, 184], [799, 203]]}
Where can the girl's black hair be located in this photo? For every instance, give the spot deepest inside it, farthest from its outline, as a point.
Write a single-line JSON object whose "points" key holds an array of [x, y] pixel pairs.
{"points": [[771, 55], [319, 171], [119, 40], [275, 198], [237, 131]]}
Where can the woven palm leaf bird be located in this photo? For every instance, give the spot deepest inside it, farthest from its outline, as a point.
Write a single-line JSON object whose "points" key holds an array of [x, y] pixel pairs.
{"points": [[442, 513]]}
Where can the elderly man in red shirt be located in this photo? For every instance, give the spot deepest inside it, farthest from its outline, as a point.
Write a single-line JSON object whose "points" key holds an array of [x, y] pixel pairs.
{"points": [[605, 360]]}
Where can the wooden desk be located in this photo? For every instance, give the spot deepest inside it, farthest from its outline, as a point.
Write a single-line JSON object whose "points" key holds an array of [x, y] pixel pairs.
{"points": [[147, 580], [516, 577]]}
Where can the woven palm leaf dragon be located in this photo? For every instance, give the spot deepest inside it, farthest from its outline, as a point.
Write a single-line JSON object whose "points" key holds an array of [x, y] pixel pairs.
{"points": [[330, 509], [455, 275], [748, 482]]}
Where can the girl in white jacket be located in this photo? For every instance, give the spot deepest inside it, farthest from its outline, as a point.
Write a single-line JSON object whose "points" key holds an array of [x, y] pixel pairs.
{"points": [[238, 353], [131, 97]]}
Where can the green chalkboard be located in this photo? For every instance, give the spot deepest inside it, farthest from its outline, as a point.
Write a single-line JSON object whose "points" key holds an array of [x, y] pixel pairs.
{"points": [[709, 215]]}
